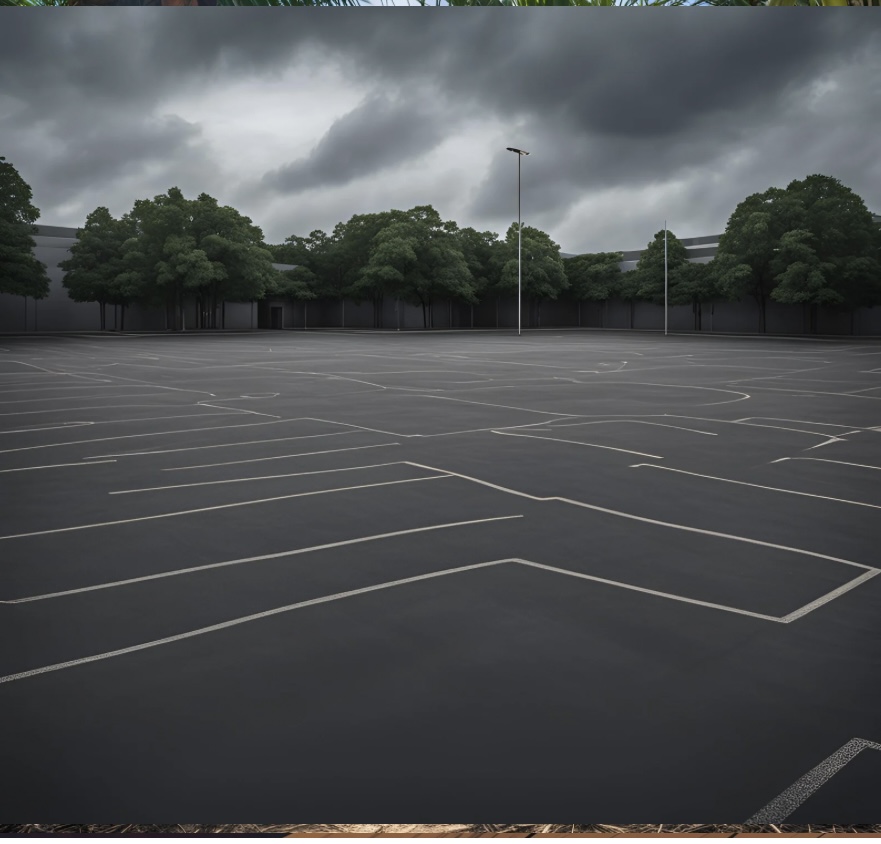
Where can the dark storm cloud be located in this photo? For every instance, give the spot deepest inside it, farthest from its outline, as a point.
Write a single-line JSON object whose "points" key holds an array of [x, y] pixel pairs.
{"points": [[376, 135], [109, 149], [629, 101]]}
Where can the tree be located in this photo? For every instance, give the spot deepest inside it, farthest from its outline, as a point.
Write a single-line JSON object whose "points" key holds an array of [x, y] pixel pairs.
{"points": [[593, 277], [543, 276], [483, 252], [745, 264], [97, 270], [353, 245], [628, 288], [235, 245], [651, 265], [418, 259], [841, 246], [21, 274], [692, 284], [815, 240]]}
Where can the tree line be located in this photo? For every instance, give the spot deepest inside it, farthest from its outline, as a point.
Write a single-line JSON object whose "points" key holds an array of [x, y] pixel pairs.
{"points": [[813, 243]]}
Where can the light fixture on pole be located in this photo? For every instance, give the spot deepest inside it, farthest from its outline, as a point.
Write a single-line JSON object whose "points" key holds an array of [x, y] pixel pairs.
{"points": [[665, 278], [520, 154]]}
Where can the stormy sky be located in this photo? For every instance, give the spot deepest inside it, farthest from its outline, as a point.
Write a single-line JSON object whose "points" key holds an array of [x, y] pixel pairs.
{"points": [[301, 118]]}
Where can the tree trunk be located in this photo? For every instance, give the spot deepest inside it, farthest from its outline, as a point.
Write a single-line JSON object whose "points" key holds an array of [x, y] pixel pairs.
{"points": [[700, 316], [424, 317], [223, 313], [122, 317], [103, 315], [497, 311], [603, 314], [632, 308]]}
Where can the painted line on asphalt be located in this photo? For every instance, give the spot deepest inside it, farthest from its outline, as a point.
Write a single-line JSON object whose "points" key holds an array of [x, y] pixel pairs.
{"points": [[757, 486], [275, 556], [153, 434], [219, 445], [654, 592], [829, 596], [782, 806], [260, 478], [244, 620], [56, 466], [553, 426], [575, 442], [647, 520], [824, 460], [278, 457], [218, 507]]}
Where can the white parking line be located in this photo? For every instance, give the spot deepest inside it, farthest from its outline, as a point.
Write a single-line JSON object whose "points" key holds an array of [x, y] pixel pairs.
{"points": [[220, 445], [553, 425], [152, 434], [782, 806], [645, 519], [261, 478], [279, 457], [823, 460], [756, 486], [280, 554], [218, 507], [829, 596], [244, 620], [575, 442], [654, 592], [57, 466]]}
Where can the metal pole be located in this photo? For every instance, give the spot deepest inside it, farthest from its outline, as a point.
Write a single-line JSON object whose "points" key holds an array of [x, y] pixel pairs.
{"points": [[665, 278], [519, 234]]}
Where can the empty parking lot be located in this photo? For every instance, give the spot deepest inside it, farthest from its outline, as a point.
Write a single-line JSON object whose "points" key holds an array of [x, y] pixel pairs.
{"points": [[473, 577]]}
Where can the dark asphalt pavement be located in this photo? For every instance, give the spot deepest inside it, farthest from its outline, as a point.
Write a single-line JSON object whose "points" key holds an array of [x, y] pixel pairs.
{"points": [[350, 577]]}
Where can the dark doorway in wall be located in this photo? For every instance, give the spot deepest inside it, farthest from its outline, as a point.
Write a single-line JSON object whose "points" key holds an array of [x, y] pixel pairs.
{"points": [[275, 318]]}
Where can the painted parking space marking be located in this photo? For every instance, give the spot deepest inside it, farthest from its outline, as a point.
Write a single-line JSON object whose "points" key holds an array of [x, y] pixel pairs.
{"points": [[575, 442], [260, 478], [57, 466], [782, 806], [647, 520], [756, 486], [280, 456], [246, 619], [278, 555], [218, 507]]}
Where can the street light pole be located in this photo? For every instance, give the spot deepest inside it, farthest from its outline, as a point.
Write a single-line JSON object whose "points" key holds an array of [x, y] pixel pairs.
{"points": [[665, 278], [520, 154]]}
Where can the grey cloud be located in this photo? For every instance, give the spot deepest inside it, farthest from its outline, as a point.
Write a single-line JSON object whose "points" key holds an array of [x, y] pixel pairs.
{"points": [[616, 101], [376, 135]]}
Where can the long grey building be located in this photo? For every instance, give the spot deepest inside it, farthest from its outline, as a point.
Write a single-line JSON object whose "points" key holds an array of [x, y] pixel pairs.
{"points": [[58, 312]]}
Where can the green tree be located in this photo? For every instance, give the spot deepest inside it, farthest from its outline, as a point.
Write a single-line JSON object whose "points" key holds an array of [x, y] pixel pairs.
{"points": [[594, 277], [97, 270], [651, 265], [692, 284], [482, 252], [419, 259], [543, 275], [21, 274], [353, 246], [745, 263], [629, 289]]}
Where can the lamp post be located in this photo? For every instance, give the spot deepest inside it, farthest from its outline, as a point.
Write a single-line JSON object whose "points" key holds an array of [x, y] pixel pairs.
{"points": [[665, 278], [520, 154]]}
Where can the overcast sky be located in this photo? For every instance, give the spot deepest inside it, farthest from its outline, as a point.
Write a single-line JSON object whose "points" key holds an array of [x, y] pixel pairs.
{"points": [[301, 118]]}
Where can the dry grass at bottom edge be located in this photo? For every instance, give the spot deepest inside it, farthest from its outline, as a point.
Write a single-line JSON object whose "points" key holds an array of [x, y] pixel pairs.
{"points": [[438, 829]]}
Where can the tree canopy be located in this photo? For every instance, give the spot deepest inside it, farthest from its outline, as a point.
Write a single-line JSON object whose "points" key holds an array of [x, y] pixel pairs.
{"points": [[813, 242], [20, 272]]}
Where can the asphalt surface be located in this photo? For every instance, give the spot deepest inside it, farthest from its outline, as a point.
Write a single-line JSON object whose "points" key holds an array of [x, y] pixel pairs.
{"points": [[325, 576]]}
